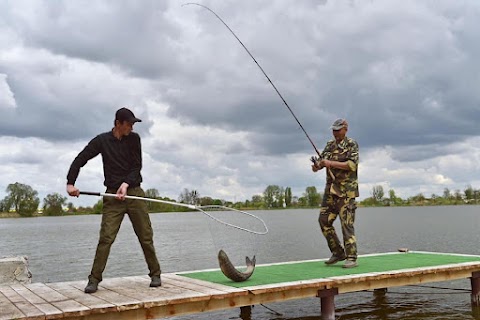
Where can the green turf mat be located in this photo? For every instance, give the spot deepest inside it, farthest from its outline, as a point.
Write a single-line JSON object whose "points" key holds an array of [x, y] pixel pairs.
{"points": [[317, 269]]}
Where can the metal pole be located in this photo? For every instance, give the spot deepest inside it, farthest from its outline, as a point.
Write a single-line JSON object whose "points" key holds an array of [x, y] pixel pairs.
{"points": [[475, 296], [475, 282], [246, 312], [380, 292], [327, 303]]}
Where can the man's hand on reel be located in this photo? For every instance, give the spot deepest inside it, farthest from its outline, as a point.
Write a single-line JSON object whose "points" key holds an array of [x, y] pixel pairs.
{"points": [[316, 163]]}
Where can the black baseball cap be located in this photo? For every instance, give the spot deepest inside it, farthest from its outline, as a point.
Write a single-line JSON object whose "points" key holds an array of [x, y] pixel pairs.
{"points": [[124, 114]]}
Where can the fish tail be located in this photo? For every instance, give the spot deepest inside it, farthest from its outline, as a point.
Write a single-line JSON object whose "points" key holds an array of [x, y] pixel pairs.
{"points": [[250, 262]]}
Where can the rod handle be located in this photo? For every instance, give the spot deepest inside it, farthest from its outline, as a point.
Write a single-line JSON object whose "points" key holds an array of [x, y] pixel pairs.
{"points": [[89, 193]]}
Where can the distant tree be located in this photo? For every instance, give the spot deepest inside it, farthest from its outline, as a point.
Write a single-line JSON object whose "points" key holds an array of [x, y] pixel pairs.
{"points": [[392, 197], [280, 199], [152, 193], [257, 198], [476, 195], [3, 206], [418, 199], [377, 193], [312, 197], [458, 196], [295, 201], [257, 201], [71, 208], [53, 204], [447, 194], [218, 202], [302, 201], [288, 196], [206, 201], [273, 196], [189, 197], [434, 198], [98, 207], [469, 193], [22, 198], [369, 202]]}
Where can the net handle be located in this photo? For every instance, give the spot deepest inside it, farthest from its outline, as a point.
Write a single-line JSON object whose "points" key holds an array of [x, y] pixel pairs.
{"points": [[190, 206], [101, 194]]}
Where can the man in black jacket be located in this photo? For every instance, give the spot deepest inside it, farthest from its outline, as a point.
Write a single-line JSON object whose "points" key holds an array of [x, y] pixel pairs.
{"points": [[122, 162]]}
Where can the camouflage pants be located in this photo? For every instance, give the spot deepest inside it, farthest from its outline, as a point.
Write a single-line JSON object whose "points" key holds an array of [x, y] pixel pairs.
{"points": [[113, 212], [333, 206]]}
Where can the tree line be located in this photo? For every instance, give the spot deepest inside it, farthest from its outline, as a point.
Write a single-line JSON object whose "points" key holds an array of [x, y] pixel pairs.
{"points": [[378, 198], [22, 200]]}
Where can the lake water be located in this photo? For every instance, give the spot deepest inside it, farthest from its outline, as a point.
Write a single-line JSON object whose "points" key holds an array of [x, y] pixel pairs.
{"points": [[62, 249]]}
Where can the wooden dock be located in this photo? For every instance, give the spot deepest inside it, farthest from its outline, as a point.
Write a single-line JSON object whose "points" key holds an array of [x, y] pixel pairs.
{"points": [[194, 292]]}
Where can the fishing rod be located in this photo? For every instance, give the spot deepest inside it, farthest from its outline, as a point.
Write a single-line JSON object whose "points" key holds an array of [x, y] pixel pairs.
{"points": [[202, 209], [264, 73]]}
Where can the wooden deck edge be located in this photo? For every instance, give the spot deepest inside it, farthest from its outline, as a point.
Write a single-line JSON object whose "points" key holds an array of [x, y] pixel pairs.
{"points": [[453, 271]]}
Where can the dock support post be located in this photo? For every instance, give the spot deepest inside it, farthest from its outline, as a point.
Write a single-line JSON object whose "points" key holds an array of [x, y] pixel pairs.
{"points": [[246, 312], [380, 292], [475, 296], [327, 303]]}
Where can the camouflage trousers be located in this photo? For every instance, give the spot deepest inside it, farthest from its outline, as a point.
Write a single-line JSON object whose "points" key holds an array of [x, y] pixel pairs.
{"points": [[333, 206], [113, 212]]}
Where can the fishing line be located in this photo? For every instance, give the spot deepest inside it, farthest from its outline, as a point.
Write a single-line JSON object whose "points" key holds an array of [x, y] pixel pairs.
{"points": [[202, 209], [273, 311], [264, 73]]}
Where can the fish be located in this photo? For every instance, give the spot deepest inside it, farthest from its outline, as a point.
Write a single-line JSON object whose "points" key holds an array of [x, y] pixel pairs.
{"points": [[229, 270]]}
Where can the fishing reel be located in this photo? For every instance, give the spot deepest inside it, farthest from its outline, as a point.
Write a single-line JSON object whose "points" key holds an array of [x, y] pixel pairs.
{"points": [[315, 159]]}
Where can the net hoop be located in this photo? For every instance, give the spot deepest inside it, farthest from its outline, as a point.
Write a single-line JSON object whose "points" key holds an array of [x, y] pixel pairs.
{"points": [[222, 208]]}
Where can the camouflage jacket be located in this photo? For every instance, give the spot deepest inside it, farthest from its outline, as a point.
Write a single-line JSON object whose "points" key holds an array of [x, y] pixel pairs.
{"points": [[345, 183]]}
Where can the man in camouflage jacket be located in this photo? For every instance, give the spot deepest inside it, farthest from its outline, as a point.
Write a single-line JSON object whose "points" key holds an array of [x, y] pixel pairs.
{"points": [[340, 158]]}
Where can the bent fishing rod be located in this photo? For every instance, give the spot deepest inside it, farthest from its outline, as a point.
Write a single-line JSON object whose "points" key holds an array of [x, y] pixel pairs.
{"points": [[264, 73], [202, 209]]}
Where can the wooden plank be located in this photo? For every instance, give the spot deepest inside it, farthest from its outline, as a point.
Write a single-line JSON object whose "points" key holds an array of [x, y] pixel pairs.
{"points": [[137, 287], [92, 302], [212, 293], [67, 306], [50, 311], [45, 292], [216, 286], [137, 290], [8, 309], [121, 302], [168, 285], [28, 309], [183, 293]]}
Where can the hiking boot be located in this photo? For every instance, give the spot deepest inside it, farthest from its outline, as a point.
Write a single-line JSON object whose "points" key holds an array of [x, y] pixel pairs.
{"points": [[350, 264], [156, 281], [334, 259], [91, 287]]}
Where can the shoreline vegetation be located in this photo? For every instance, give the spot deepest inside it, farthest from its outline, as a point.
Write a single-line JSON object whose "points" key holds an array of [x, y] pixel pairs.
{"points": [[22, 201]]}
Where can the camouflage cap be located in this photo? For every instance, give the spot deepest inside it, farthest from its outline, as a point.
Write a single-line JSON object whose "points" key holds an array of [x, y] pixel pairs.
{"points": [[339, 124]]}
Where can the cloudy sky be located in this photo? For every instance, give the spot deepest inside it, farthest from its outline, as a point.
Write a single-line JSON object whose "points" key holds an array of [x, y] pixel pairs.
{"points": [[404, 73]]}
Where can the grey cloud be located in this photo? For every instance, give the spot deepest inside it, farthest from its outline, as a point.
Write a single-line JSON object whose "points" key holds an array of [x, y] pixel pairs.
{"points": [[403, 73], [136, 36], [381, 73]]}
